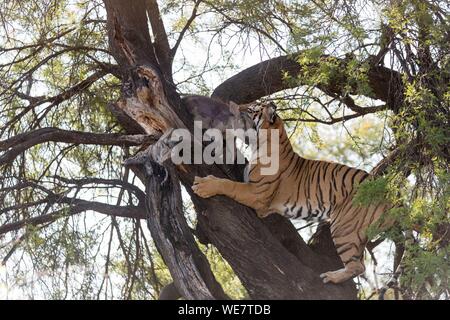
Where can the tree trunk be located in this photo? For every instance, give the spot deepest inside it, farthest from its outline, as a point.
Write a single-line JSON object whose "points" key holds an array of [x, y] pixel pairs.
{"points": [[171, 234]]}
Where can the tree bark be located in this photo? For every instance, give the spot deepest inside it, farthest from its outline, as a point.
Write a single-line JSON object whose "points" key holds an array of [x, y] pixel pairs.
{"points": [[266, 78], [170, 232]]}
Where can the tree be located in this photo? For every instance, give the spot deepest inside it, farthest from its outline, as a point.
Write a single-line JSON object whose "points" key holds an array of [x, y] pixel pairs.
{"points": [[107, 79]]}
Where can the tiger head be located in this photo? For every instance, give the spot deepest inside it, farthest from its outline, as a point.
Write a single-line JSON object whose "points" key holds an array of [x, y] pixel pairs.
{"points": [[264, 115]]}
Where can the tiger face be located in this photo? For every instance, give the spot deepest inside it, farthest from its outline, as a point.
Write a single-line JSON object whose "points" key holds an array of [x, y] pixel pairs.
{"points": [[264, 115]]}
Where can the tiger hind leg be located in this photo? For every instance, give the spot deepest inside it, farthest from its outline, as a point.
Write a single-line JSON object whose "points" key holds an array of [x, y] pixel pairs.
{"points": [[350, 248], [348, 230]]}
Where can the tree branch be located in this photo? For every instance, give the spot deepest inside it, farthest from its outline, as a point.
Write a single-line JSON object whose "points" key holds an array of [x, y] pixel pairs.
{"points": [[24, 141], [55, 100], [161, 43], [131, 36], [111, 182], [191, 19], [77, 206], [267, 77]]}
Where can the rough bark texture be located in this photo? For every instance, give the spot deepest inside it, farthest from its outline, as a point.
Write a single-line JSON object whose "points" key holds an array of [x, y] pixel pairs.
{"points": [[269, 256], [173, 238], [266, 78]]}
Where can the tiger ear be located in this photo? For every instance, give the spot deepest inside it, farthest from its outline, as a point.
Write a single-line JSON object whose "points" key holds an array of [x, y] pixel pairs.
{"points": [[237, 108], [272, 112]]}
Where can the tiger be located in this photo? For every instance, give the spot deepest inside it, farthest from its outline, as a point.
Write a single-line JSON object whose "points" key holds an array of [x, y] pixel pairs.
{"points": [[306, 189]]}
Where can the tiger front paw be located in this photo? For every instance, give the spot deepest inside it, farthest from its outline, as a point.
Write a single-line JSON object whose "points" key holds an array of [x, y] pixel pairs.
{"points": [[206, 187]]}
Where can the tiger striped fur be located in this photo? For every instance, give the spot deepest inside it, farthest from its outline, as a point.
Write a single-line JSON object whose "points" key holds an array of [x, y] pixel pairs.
{"points": [[306, 189]]}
